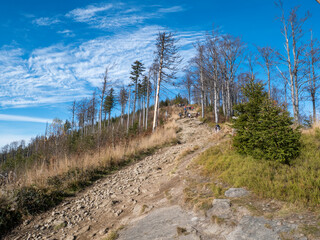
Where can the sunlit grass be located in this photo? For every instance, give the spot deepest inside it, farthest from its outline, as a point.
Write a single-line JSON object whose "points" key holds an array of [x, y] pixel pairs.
{"points": [[297, 183]]}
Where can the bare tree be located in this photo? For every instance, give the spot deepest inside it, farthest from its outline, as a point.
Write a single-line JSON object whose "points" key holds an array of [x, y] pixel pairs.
{"points": [[103, 92], [267, 55], [129, 101], [200, 64], [149, 90], [294, 50], [187, 83], [72, 109], [231, 51], [166, 56], [251, 61], [92, 111], [213, 70], [313, 59], [154, 77]]}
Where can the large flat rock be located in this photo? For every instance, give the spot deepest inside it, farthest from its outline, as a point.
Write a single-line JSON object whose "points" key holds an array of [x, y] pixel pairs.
{"points": [[165, 224], [236, 192], [258, 228]]}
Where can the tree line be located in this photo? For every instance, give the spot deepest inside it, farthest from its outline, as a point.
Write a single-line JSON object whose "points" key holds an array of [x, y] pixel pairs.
{"points": [[93, 124], [224, 63]]}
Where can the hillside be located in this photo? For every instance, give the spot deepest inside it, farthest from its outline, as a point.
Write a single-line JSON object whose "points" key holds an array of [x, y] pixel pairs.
{"points": [[163, 196]]}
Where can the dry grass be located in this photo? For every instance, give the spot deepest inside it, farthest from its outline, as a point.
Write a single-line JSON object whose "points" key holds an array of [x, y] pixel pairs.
{"points": [[107, 157], [298, 183], [313, 129]]}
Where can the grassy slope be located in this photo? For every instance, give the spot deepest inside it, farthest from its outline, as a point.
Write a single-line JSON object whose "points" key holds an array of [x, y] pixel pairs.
{"points": [[298, 183]]}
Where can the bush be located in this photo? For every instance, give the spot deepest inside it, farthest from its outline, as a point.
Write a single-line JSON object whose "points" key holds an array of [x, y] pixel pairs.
{"points": [[33, 200], [264, 130], [9, 218]]}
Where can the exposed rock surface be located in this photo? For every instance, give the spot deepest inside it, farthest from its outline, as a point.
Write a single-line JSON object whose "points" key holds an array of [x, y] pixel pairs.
{"points": [[236, 192], [220, 208], [253, 228], [165, 223]]}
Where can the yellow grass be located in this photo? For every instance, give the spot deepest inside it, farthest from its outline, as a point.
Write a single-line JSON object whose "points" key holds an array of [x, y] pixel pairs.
{"points": [[107, 156], [312, 130]]}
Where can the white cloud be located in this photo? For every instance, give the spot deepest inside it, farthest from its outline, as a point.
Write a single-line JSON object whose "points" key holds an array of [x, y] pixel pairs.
{"points": [[45, 21], [171, 9], [67, 33], [86, 14], [16, 118], [62, 73], [111, 16]]}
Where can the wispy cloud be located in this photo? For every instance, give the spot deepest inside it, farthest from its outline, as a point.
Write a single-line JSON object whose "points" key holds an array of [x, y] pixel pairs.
{"points": [[67, 33], [171, 9], [111, 16], [107, 16], [46, 21], [62, 73], [86, 14], [15, 118]]}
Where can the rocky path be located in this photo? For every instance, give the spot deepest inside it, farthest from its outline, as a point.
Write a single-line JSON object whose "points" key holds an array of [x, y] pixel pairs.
{"points": [[146, 201]]}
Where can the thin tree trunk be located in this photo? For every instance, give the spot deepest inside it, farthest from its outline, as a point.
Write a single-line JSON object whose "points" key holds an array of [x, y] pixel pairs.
{"points": [[202, 92], [134, 103], [144, 113], [269, 81], [147, 110], [216, 116], [156, 105], [128, 119]]}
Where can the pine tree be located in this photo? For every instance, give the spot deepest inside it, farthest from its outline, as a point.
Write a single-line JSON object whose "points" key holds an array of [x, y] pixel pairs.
{"points": [[264, 130], [137, 70], [109, 103]]}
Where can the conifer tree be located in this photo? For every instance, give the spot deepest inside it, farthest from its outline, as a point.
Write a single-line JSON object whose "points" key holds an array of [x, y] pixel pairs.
{"points": [[264, 129], [109, 103], [137, 70]]}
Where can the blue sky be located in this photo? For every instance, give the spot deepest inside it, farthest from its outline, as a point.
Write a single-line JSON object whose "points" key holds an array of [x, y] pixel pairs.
{"points": [[52, 52]]}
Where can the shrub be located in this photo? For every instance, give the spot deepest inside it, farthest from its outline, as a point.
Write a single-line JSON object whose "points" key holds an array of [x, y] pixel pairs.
{"points": [[33, 200], [9, 218], [264, 130]]}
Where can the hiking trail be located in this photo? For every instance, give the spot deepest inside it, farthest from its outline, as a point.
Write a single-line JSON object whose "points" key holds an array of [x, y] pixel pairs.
{"points": [[146, 200]]}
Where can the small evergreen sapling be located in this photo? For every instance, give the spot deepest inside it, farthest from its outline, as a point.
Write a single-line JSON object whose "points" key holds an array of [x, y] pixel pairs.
{"points": [[264, 130]]}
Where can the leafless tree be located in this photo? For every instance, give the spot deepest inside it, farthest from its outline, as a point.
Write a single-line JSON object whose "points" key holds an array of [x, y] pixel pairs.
{"points": [[123, 99], [313, 59], [72, 109], [187, 83], [149, 90], [267, 55], [92, 111], [166, 56], [129, 101], [213, 70], [294, 49], [102, 94], [199, 60]]}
